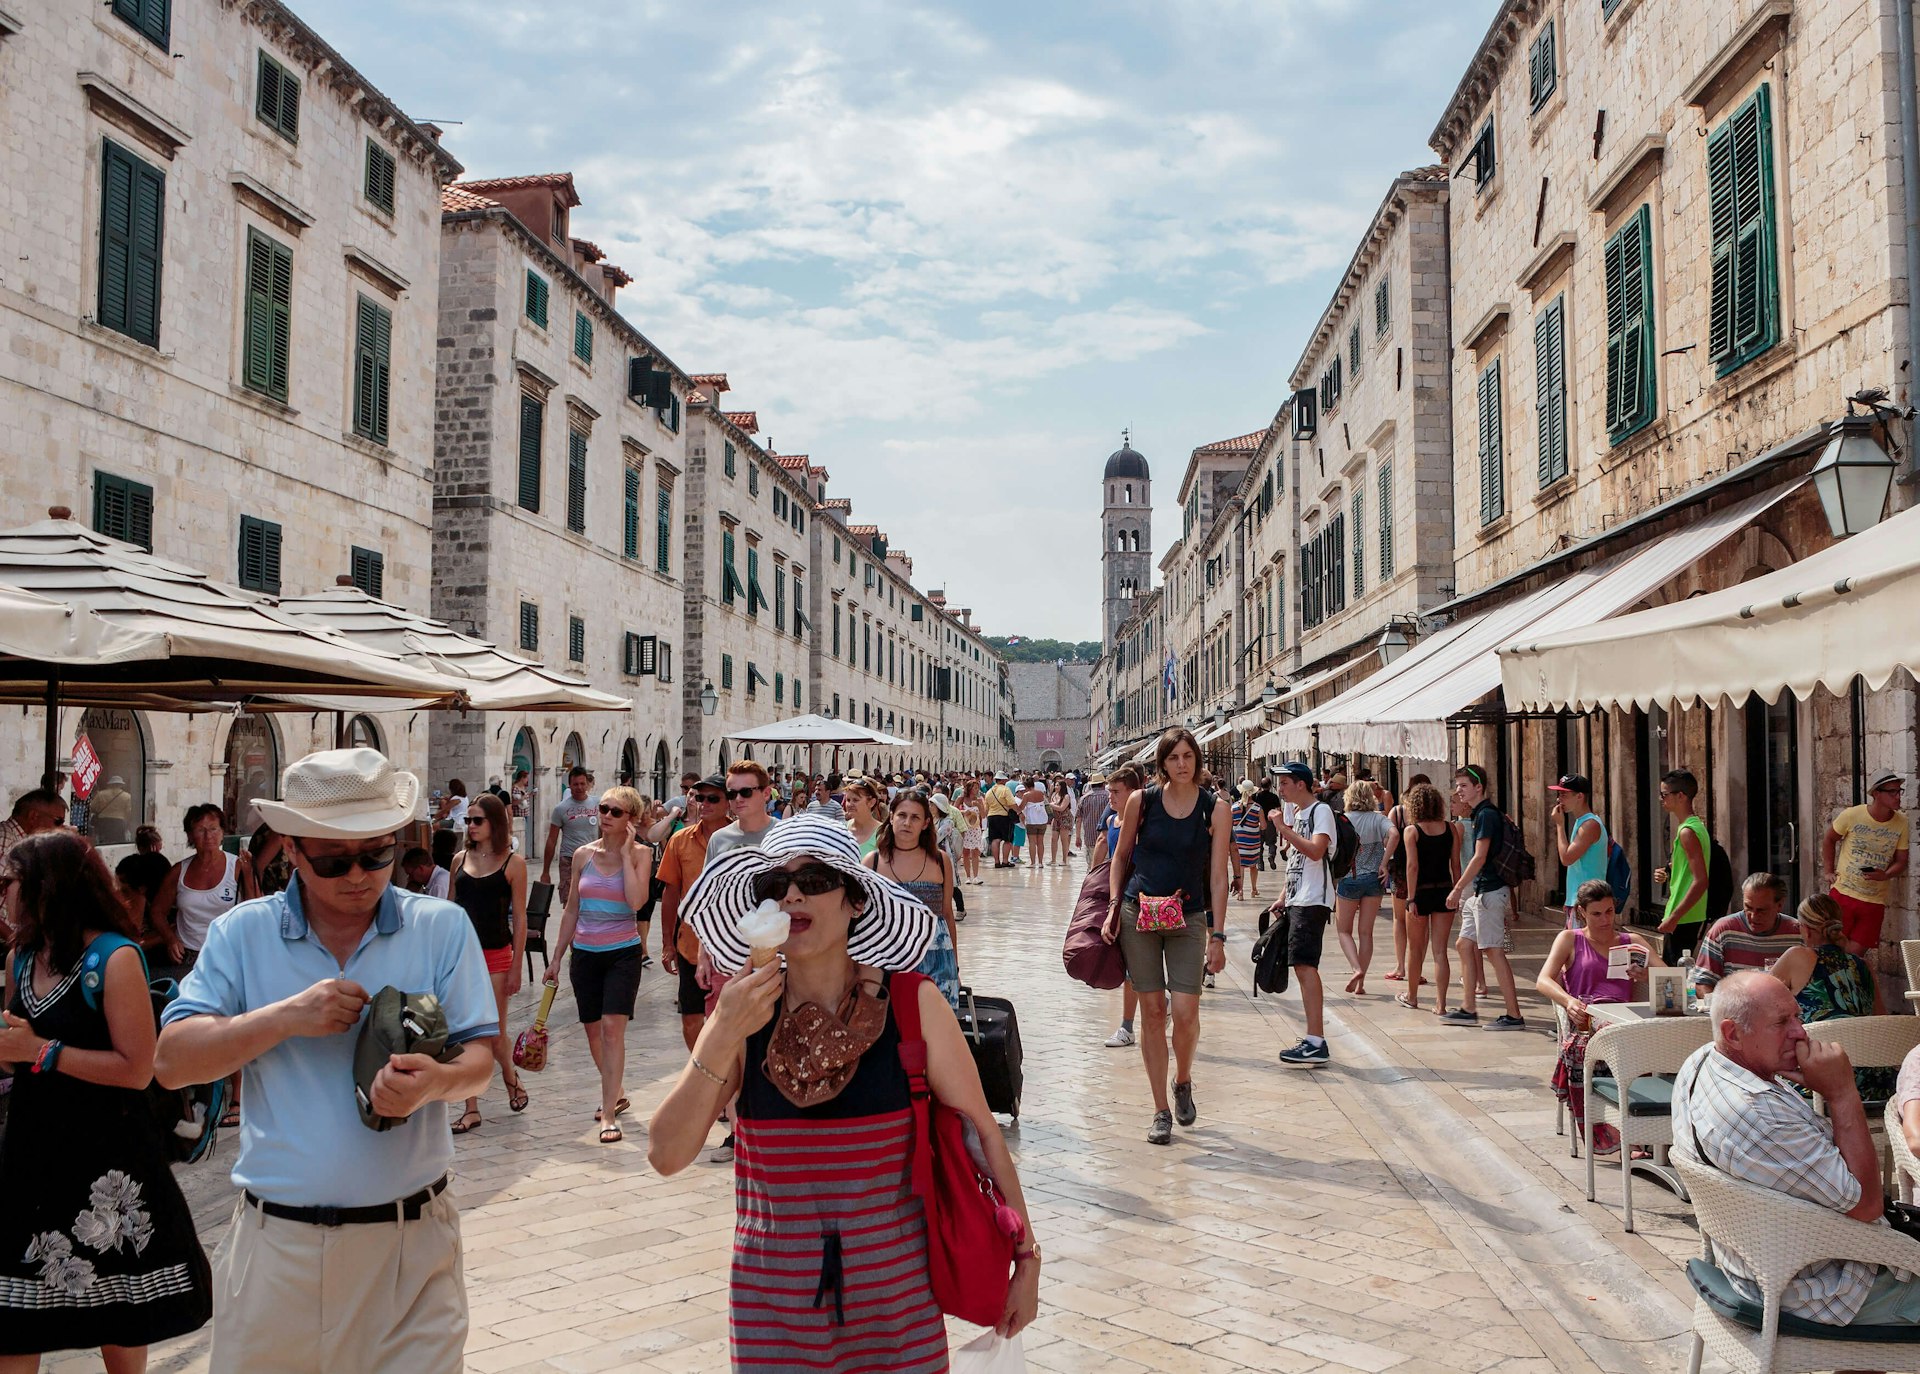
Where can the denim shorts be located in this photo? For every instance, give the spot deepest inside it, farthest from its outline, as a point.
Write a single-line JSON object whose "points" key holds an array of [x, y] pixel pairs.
{"points": [[1357, 885]]}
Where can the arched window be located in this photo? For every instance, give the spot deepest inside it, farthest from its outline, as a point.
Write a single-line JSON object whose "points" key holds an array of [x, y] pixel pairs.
{"points": [[662, 766], [1129, 493], [253, 771], [526, 796], [119, 800], [629, 764], [573, 752], [362, 733]]}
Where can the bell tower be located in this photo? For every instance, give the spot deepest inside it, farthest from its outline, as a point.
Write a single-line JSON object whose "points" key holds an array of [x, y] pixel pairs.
{"points": [[1126, 531]]}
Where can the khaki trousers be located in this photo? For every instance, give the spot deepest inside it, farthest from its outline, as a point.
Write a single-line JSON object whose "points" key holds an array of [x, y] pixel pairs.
{"points": [[293, 1298]]}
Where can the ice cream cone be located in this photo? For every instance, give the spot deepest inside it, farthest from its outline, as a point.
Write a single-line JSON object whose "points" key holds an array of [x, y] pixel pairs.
{"points": [[760, 958]]}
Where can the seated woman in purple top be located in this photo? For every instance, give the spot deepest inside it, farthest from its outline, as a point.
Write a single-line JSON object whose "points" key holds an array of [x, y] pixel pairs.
{"points": [[1574, 976]]}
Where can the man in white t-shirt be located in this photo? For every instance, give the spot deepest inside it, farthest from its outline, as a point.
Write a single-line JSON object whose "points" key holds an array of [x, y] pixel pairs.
{"points": [[574, 822], [1309, 901]]}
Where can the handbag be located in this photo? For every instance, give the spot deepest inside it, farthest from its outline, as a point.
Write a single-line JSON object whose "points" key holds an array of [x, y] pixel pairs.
{"points": [[530, 1046], [396, 1023], [971, 1232], [1161, 914], [1086, 953]]}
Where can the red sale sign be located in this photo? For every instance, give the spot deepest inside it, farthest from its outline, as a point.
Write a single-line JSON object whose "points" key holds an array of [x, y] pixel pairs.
{"points": [[86, 768]]}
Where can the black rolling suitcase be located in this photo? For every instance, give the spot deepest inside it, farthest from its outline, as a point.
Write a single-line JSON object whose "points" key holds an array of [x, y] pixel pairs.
{"points": [[993, 1034]]}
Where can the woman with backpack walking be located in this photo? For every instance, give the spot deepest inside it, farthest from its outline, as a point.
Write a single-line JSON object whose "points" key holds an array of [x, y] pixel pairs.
{"points": [[1167, 908], [97, 1245]]}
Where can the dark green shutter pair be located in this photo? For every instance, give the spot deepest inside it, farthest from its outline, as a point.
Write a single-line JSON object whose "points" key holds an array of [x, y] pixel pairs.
{"points": [[123, 509], [269, 322], [532, 418], [1630, 343], [1493, 472], [1386, 521], [132, 215], [153, 18], [1382, 305], [372, 369], [576, 639], [730, 585], [1357, 506], [380, 174], [576, 481], [630, 516], [536, 298], [1746, 292], [1543, 67], [369, 572], [277, 100], [663, 518], [582, 337], [259, 560], [529, 627], [1550, 389]]}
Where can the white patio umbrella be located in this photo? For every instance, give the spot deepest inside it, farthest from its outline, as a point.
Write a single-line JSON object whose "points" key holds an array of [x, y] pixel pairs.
{"points": [[814, 730], [37, 627]]}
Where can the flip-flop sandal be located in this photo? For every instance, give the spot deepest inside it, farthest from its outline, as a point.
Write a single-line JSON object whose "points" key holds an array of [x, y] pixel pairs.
{"points": [[517, 1096], [610, 1135], [462, 1126], [1406, 1002], [231, 1120], [1398, 978], [618, 1108]]}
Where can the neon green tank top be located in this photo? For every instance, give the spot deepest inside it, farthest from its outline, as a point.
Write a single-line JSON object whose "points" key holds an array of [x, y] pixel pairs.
{"points": [[1680, 876]]}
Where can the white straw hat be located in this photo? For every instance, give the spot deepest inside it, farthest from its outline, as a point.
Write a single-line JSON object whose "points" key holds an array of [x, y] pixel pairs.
{"points": [[341, 794]]}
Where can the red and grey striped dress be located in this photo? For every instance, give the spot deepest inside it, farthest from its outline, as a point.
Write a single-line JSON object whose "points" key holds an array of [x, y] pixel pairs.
{"points": [[830, 1244]]}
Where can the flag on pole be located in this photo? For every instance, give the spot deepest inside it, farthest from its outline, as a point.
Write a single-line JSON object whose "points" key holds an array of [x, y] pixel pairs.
{"points": [[1171, 677]]}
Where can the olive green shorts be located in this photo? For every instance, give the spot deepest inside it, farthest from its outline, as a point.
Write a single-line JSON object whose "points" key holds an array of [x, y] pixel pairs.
{"points": [[1163, 960]]}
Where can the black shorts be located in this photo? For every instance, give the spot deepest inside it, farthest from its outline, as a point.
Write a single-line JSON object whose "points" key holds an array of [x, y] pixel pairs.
{"points": [[1000, 828], [1306, 928], [693, 998], [605, 982]]}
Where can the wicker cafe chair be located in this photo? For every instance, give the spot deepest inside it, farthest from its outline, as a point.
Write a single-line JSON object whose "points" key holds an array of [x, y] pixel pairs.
{"points": [[1910, 959], [1776, 1236], [1635, 1099], [1561, 1028], [1871, 1042], [1906, 1168]]}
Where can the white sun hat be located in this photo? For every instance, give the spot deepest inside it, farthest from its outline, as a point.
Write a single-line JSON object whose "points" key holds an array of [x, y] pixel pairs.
{"points": [[341, 794]]}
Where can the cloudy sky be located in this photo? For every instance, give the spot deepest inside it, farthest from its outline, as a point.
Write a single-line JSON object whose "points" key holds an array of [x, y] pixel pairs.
{"points": [[951, 250]]}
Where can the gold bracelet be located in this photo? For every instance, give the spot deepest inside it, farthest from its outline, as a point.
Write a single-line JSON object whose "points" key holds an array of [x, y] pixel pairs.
{"points": [[709, 1072]]}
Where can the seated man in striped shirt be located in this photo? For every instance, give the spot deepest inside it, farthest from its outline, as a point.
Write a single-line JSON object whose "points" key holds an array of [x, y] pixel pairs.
{"points": [[1753, 937]]}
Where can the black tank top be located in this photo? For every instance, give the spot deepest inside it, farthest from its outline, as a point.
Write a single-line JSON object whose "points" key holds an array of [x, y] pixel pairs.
{"points": [[1436, 859], [488, 902], [1171, 854]]}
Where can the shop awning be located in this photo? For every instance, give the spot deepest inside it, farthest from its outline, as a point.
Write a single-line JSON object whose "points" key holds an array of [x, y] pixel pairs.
{"points": [[1849, 611], [1210, 733], [1269, 743], [1402, 711]]}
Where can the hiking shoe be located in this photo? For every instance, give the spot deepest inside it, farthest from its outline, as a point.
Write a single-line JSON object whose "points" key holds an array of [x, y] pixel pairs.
{"points": [[1183, 1108], [1306, 1055], [1161, 1131], [1120, 1039], [1460, 1016], [723, 1152], [1209, 982], [1501, 1023]]}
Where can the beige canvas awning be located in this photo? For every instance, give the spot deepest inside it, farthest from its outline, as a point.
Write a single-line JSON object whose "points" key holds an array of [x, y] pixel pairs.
{"points": [[1849, 611]]}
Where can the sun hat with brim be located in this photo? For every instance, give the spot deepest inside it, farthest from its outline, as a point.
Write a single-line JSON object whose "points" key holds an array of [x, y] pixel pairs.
{"points": [[341, 794], [893, 931]]}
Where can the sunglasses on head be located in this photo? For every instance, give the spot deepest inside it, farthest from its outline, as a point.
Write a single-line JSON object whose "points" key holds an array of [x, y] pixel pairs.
{"points": [[812, 880], [339, 865], [740, 793], [606, 810]]}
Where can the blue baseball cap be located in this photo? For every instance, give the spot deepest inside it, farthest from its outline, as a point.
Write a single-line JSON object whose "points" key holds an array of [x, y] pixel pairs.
{"points": [[1298, 771]]}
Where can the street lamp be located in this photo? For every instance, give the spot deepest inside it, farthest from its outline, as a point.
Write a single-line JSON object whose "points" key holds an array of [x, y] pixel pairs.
{"points": [[1855, 473], [1219, 716], [709, 700], [1269, 695], [1393, 643]]}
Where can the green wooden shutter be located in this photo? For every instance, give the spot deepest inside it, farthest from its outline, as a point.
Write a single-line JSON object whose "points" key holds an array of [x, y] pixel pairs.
{"points": [[576, 639], [529, 627], [532, 419], [779, 599], [1357, 512], [277, 101], [153, 18], [1382, 306], [123, 509], [576, 481], [630, 516], [1353, 351], [369, 571], [259, 555], [133, 198], [1493, 497], [663, 533], [372, 369], [1746, 289], [1550, 389], [1386, 521], [1543, 66], [582, 337], [727, 575], [267, 349], [380, 177], [536, 298], [1631, 389]]}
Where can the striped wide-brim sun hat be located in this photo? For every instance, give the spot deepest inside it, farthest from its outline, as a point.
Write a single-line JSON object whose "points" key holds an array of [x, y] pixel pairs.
{"points": [[893, 931]]}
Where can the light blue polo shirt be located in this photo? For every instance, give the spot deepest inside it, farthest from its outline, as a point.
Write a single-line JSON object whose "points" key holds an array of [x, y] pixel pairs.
{"points": [[301, 1139]]}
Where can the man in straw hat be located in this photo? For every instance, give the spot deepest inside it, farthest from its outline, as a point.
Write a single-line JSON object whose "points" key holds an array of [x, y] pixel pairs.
{"points": [[344, 1251]]}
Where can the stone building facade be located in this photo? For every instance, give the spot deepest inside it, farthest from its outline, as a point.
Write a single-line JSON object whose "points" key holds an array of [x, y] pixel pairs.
{"points": [[1052, 709], [560, 499], [222, 249]]}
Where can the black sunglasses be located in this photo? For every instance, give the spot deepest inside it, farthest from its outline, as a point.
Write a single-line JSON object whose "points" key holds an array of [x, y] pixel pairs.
{"points": [[708, 798], [814, 880], [476, 820], [606, 810], [339, 865], [740, 793]]}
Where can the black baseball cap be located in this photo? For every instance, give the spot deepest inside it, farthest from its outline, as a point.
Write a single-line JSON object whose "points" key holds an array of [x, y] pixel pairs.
{"points": [[1572, 782], [1297, 770], [716, 781]]}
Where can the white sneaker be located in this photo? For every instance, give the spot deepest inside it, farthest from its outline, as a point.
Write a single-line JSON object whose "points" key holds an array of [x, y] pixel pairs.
{"points": [[723, 1152], [1120, 1039], [1209, 982]]}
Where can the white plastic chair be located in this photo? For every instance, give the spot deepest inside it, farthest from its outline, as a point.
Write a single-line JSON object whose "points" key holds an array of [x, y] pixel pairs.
{"points": [[1776, 1236], [1630, 1051]]}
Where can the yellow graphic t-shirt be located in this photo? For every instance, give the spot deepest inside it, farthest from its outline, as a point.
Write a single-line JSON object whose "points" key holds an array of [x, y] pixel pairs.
{"points": [[1866, 844], [999, 800]]}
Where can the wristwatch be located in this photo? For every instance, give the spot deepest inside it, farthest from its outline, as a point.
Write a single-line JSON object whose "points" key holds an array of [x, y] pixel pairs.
{"points": [[1032, 1252], [1219, 935]]}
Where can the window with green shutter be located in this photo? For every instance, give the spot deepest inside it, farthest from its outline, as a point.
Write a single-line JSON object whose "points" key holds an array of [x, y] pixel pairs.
{"points": [[533, 416], [277, 101], [576, 639], [576, 481], [726, 672], [753, 479], [1543, 66], [730, 587], [268, 346], [1746, 274], [1550, 388], [1356, 510], [151, 18], [663, 531], [796, 694], [379, 177], [133, 207], [372, 369], [582, 337], [755, 597], [672, 415], [123, 509], [779, 689], [630, 654], [1382, 307], [537, 298], [799, 600], [779, 599], [1485, 157], [630, 514], [259, 560], [1386, 521], [1353, 351], [1631, 386], [728, 459], [369, 571], [1493, 474], [529, 627]]}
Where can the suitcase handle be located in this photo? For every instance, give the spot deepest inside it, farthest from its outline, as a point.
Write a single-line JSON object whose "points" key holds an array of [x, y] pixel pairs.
{"points": [[971, 1026]]}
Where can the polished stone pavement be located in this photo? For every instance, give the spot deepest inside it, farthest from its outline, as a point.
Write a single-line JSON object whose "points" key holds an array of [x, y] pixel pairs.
{"points": [[1407, 1208]]}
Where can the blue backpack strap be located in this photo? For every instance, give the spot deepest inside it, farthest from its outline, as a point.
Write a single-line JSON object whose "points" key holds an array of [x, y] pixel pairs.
{"points": [[93, 964]]}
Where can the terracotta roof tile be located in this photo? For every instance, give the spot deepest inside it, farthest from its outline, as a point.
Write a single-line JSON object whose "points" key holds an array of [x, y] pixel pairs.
{"points": [[863, 529], [1244, 443], [588, 249], [749, 420], [558, 181], [454, 199], [840, 503], [716, 380], [795, 463]]}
